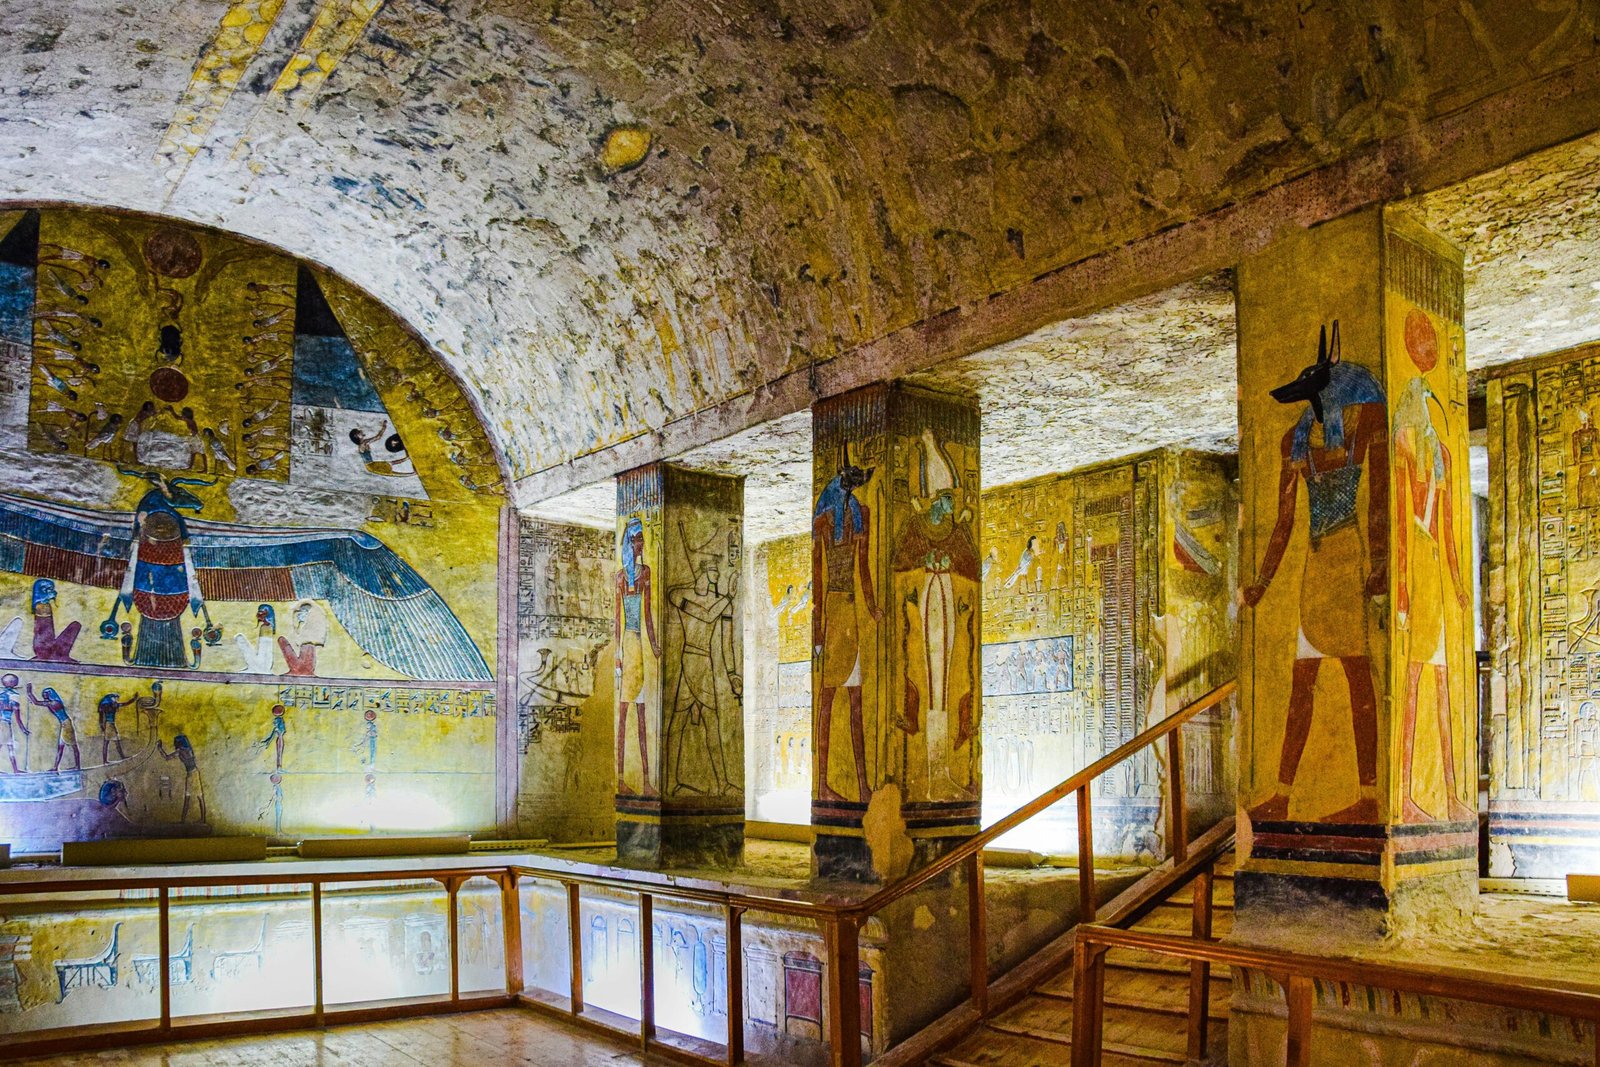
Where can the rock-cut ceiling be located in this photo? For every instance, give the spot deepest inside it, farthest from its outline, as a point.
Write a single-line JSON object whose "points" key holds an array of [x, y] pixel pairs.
{"points": [[608, 216]]}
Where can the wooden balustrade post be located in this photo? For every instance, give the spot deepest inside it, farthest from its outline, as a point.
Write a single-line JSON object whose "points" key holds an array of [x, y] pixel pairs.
{"points": [[978, 935], [316, 950], [735, 952], [647, 970], [1088, 994], [1087, 906], [452, 889], [1177, 815], [1200, 970], [844, 990], [1298, 992], [164, 917], [574, 949], [511, 930]]}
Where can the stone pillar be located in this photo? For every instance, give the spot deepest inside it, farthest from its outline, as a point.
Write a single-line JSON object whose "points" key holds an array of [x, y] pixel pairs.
{"points": [[677, 622], [895, 628], [1358, 739]]}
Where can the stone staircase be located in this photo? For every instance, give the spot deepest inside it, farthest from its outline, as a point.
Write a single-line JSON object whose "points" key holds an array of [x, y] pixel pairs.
{"points": [[1146, 1002]]}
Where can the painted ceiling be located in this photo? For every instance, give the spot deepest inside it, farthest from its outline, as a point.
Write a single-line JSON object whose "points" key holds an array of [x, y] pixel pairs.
{"points": [[610, 216]]}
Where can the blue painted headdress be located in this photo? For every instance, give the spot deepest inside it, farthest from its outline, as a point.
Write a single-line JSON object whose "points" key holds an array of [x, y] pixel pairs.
{"points": [[630, 561], [1327, 386], [1348, 383], [44, 591], [839, 500]]}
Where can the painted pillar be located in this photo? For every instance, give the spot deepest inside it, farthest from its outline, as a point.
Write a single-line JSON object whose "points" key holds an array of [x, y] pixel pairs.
{"points": [[678, 606], [895, 628], [1358, 740]]}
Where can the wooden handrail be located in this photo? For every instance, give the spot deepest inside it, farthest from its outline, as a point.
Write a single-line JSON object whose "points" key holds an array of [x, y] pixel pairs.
{"points": [[1297, 972], [971, 846], [841, 922]]}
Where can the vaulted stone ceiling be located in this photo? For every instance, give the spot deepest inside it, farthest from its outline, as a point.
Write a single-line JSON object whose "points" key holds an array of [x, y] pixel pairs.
{"points": [[609, 216]]}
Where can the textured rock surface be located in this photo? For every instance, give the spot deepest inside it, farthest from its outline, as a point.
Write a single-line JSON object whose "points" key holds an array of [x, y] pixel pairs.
{"points": [[1533, 268], [819, 175]]}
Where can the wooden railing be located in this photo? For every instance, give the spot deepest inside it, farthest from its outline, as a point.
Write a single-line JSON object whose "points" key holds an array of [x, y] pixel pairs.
{"points": [[840, 924], [1298, 975], [846, 922]]}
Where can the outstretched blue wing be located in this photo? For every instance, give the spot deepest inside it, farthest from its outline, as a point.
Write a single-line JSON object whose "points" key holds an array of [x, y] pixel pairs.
{"points": [[384, 604], [44, 540]]}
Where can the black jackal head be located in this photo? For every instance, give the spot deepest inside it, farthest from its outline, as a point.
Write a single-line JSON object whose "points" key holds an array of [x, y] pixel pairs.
{"points": [[1310, 383]]}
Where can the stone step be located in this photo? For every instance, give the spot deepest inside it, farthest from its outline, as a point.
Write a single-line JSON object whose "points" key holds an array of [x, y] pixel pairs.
{"points": [[1137, 1030], [995, 1048], [1163, 992]]}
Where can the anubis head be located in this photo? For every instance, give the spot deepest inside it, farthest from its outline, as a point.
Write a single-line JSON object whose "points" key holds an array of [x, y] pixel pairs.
{"points": [[1310, 383]]}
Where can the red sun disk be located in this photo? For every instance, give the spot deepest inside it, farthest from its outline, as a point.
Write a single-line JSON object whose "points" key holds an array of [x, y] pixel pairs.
{"points": [[168, 384]]}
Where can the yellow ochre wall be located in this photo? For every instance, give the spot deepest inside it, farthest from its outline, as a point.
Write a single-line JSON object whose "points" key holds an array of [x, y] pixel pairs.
{"points": [[176, 456], [1119, 613]]}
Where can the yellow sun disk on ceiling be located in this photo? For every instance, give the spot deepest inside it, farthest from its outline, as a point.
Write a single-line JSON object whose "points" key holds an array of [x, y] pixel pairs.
{"points": [[624, 147]]}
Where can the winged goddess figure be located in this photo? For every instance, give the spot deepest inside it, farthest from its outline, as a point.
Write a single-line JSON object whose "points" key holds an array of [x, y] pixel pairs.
{"points": [[163, 563]]}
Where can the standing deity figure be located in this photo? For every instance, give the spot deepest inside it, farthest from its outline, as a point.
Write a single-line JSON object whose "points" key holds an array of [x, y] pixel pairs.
{"points": [[107, 710], [66, 734], [277, 734], [193, 786], [11, 717], [160, 579], [705, 612], [1424, 471], [1339, 441], [1583, 753], [841, 531], [633, 621], [937, 548]]}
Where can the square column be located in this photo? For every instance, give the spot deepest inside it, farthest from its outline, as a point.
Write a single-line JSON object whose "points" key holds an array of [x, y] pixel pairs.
{"points": [[679, 682], [1358, 738], [896, 632]]}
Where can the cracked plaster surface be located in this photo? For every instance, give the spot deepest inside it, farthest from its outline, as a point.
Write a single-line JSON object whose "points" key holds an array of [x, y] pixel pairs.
{"points": [[819, 175]]}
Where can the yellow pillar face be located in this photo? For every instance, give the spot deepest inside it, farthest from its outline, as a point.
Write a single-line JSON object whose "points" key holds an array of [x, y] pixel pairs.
{"points": [[896, 628], [679, 681], [1357, 740]]}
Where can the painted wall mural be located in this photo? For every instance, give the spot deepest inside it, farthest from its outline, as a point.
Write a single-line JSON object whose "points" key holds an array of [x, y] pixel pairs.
{"points": [[636, 611], [1358, 625], [782, 968], [381, 940], [1544, 544], [1434, 672], [242, 511], [677, 624], [703, 683], [778, 683], [1106, 602], [894, 572], [565, 707], [1105, 607]]}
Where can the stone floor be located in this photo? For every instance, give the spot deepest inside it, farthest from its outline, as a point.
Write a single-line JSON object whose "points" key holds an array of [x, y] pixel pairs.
{"points": [[1542, 937], [502, 1037]]}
